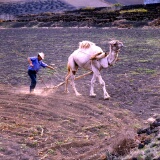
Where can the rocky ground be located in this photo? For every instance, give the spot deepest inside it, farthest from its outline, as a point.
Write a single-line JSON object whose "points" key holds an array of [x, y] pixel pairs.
{"points": [[54, 125], [149, 142]]}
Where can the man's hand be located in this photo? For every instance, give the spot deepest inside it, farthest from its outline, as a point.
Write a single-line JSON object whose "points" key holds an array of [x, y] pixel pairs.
{"points": [[31, 64], [50, 67]]}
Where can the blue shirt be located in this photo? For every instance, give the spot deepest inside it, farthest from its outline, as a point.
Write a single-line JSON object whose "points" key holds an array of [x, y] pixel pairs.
{"points": [[36, 64]]}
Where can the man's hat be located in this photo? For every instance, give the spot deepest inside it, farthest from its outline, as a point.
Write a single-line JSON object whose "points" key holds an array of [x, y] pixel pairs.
{"points": [[41, 54]]}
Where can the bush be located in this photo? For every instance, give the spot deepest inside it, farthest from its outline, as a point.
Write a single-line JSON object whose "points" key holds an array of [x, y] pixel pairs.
{"points": [[133, 10], [117, 5], [124, 146]]}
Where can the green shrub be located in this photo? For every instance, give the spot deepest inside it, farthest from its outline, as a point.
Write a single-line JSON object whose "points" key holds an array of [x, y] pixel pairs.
{"points": [[117, 5], [88, 8], [133, 10]]}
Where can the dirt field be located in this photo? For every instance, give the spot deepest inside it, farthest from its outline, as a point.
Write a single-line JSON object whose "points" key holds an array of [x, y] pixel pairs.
{"points": [[58, 126]]}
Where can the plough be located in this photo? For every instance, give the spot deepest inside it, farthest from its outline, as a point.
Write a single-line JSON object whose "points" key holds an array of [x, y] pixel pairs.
{"points": [[62, 83]]}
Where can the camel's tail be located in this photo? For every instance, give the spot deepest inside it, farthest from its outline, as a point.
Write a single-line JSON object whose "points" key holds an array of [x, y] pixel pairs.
{"points": [[68, 69]]}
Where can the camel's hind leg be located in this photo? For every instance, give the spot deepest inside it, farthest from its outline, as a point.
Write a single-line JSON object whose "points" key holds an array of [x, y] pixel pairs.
{"points": [[71, 74], [66, 81], [73, 83]]}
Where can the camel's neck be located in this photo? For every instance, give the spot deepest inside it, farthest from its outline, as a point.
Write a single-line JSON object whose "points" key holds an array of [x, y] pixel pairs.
{"points": [[112, 56], [109, 60]]}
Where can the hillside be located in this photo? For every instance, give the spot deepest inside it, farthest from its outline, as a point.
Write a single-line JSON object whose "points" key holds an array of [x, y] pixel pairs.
{"points": [[55, 125], [9, 9], [129, 2], [34, 7], [86, 2], [19, 7]]}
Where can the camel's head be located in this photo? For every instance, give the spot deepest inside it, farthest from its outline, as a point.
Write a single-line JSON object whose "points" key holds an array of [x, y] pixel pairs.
{"points": [[115, 45]]}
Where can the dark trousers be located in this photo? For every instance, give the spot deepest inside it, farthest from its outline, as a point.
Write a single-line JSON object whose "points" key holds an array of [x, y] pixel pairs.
{"points": [[32, 75]]}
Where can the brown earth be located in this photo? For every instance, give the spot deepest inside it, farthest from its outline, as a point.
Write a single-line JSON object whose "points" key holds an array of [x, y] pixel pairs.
{"points": [[53, 125]]}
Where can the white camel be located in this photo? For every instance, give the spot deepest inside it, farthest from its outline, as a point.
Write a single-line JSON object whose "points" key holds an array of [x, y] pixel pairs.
{"points": [[91, 57]]}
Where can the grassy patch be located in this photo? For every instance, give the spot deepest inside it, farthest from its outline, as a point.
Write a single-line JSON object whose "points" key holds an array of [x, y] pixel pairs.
{"points": [[139, 71], [133, 10], [6, 126], [153, 42], [51, 151], [59, 143], [134, 73], [100, 106], [136, 126], [2, 149], [88, 8], [125, 113], [145, 71], [143, 61]]}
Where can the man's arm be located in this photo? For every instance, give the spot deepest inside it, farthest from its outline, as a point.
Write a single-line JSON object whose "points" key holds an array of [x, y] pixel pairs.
{"points": [[30, 62], [50, 67]]}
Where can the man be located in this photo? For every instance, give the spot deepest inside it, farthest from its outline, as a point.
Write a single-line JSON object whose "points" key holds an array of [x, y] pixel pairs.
{"points": [[35, 63]]}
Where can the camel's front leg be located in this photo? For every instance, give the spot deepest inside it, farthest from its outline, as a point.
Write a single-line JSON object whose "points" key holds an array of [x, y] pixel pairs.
{"points": [[73, 84], [101, 81], [93, 80]]}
